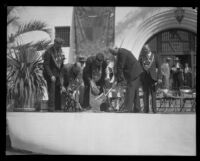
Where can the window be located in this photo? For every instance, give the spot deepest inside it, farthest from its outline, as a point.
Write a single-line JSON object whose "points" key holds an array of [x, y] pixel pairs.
{"points": [[63, 33]]}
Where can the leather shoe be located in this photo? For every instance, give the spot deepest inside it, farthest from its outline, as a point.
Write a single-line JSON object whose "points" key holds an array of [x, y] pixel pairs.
{"points": [[153, 110], [124, 111]]}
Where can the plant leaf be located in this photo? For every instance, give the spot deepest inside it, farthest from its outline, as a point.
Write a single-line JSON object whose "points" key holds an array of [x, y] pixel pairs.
{"points": [[33, 26]]}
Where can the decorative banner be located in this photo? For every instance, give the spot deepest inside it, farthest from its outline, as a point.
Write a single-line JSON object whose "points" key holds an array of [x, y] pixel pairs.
{"points": [[92, 30]]}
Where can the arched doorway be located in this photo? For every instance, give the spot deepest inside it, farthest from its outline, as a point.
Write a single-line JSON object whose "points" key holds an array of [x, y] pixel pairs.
{"points": [[161, 20], [174, 43]]}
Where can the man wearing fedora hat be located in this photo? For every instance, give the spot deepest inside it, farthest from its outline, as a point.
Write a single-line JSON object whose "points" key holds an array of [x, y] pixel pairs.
{"points": [[177, 72], [94, 74], [82, 60], [53, 63]]}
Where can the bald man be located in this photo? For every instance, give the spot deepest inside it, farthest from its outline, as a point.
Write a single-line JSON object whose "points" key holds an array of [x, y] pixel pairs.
{"points": [[129, 70]]}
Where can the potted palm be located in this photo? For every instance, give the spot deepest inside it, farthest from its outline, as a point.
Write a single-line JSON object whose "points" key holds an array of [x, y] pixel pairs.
{"points": [[25, 82]]}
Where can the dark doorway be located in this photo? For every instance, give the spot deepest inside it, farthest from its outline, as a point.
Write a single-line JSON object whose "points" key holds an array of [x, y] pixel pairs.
{"points": [[176, 43]]}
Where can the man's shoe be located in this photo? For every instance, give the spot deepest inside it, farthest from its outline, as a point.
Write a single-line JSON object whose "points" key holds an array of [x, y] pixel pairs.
{"points": [[124, 111], [145, 111], [136, 111], [88, 108], [154, 110]]}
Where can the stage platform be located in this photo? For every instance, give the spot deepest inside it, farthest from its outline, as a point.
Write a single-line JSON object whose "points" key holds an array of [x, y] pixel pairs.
{"points": [[103, 133]]}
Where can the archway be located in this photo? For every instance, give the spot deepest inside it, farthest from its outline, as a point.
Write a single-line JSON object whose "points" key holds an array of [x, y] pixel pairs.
{"points": [[161, 20], [176, 43]]}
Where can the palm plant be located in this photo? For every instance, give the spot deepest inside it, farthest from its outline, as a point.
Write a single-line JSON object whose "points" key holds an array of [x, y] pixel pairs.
{"points": [[32, 26], [25, 82]]}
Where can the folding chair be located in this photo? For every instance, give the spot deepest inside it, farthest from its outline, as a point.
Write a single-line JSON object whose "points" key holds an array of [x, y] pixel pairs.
{"points": [[166, 98], [187, 95]]}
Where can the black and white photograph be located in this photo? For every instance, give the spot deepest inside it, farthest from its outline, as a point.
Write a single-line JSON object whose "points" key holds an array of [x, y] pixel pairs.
{"points": [[88, 80]]}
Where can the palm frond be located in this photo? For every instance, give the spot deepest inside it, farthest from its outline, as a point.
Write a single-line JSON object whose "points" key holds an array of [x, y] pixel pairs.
{"points": [[22, 46], [25, 74], [9, 9], [10, 20], [39, 45], [12, 62], [33, 26]]}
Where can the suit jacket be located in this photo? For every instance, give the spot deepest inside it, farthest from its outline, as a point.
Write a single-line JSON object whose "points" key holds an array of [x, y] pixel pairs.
{"points": [[152, 70], [127, 66], [88, 69], [51, 66], [177, 72], [69, 76]]}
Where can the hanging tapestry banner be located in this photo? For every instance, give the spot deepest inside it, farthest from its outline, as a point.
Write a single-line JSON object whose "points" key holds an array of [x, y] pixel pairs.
{"points": [[92, 31]]}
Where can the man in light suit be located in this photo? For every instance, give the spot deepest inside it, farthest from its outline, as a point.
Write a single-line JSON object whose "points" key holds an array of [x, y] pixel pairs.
{"points": [[165, 70]]}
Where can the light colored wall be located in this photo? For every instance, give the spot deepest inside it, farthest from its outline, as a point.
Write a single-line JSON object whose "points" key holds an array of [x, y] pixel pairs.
{"points": [[126, 28], [142, 23], [53, 16], [128, 22], [126, 18]]}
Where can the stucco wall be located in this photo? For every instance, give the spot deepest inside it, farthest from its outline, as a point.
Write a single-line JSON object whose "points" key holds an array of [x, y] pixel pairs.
{"points": [[147, 21], [133, 25]]}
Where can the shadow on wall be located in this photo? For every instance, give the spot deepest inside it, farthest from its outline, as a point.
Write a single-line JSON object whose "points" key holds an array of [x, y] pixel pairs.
{"points": [[131, 19]]}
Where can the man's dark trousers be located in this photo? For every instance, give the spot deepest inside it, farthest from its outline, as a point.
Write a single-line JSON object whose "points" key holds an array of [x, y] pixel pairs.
{"points": [[132, 96], [149, 88], [54, 95]]}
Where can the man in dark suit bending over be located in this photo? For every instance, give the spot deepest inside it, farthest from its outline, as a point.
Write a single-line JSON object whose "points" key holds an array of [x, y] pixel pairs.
{"points": [[94, 74], [53, 63], [128, 69]]}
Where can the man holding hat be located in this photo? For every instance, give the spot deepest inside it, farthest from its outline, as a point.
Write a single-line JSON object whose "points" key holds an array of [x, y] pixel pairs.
{"points": [[53, 63], [94, 74]]}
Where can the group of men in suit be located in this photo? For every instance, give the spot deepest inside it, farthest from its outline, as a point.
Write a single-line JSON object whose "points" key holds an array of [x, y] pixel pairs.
{"points": [[60, 78], [136, 73]]}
